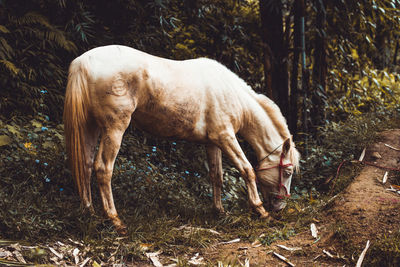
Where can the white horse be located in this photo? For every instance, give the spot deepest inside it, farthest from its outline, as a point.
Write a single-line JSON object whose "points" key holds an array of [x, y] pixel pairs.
{"points": [[197, 100]]}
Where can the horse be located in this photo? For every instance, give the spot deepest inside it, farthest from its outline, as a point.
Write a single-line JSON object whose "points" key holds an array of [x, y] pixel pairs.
{"points": [[198, 100]]}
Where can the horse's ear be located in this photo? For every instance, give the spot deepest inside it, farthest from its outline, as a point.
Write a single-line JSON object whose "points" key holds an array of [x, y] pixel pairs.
{"points": [[286, 146]]}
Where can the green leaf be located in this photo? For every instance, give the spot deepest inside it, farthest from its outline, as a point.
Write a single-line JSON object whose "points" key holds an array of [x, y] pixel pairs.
{"points": [[36, 124], [5, 140], [3, 29], [12, 129]]}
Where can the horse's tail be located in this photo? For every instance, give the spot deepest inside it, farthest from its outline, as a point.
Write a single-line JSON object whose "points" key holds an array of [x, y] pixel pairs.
{"points": [[76, 119]]}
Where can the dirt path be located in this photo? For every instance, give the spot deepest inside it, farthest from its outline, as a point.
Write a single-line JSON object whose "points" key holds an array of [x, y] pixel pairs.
{"points": [[364, 211]]}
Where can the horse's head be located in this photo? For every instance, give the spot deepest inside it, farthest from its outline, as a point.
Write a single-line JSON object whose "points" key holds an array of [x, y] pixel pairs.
{"points": [[275, 172]]}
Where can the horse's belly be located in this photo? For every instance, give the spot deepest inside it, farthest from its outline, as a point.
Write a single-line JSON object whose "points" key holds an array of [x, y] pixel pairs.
{"points": [[170, 125]]}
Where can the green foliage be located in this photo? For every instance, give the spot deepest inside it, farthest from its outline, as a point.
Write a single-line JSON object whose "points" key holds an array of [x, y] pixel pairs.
{"points": [[386, 252], [362, 56], [276, 234], [38, 39], [31, 58], [339, 141]]}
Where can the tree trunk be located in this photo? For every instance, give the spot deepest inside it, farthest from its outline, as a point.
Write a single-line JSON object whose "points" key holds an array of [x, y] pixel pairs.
{"points": [[275, 54], [319, 74], [294, 84]]}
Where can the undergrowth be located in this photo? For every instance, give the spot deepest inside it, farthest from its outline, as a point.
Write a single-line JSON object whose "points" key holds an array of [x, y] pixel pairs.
{"points": [[159, 186], [386, 252]]}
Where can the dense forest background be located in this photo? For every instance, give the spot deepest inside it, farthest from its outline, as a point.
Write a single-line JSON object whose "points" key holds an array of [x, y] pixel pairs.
{"points": [[331, 66], [348, 66]]}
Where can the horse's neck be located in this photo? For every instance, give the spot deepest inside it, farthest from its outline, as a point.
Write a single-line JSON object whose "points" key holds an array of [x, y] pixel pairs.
{"points": [[261, 133]]}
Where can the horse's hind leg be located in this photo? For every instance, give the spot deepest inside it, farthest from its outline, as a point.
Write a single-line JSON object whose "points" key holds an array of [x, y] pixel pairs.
{"points": [[214, 159], [110, 143], [92, 137]]}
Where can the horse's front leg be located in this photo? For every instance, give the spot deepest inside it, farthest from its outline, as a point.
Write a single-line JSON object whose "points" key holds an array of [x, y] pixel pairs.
{"points": [[214, 159], [108, 149], [228, 143]]}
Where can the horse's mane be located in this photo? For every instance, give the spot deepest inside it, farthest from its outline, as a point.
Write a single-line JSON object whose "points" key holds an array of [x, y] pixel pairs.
{"points": [[275, 115], [279, 121]]}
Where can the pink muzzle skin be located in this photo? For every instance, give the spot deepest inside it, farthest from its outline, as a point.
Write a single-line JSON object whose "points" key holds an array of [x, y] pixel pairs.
{"points": [[281, 167]]}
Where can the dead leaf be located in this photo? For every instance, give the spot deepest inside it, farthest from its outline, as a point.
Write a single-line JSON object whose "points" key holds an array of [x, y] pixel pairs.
{"points": [[314, 231], [75, 253], [384, 179], [153, 256], [196, 260], [145, 247], [19, 256], [256, 243], [362, 155], [376, 155]]}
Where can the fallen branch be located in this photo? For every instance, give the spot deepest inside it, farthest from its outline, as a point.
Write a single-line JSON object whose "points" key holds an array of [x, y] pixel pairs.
{"points": [[229, 242], [289, 249], [59, 255], [394, 148], [328, 253], [282, 258], [362, 255]]}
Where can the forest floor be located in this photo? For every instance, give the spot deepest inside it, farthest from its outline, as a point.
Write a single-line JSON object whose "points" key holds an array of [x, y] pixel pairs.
{"points": [[366, 210]]}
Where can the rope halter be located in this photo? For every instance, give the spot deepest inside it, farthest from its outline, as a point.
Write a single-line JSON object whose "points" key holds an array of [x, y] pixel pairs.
{"points": [[281, 168]]}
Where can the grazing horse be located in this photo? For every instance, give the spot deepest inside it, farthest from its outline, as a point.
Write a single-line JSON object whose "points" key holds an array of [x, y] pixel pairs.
{"points": [[198, 100]]}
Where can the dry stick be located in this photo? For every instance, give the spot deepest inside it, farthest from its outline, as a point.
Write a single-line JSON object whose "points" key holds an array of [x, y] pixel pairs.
{"points": [[289, 249], [229, 242], [362, 255], [282, 258], [394, 148]]}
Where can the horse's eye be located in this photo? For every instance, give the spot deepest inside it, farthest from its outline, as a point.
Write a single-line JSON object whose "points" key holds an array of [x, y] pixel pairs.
{"points": [[288, 173]]}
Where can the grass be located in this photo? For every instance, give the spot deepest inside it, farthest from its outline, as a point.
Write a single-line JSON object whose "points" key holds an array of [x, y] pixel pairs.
{"points": [[386, 252], [158, 188]]}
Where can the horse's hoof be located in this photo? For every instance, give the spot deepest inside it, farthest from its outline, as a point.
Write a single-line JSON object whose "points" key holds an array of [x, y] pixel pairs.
{"points": [[122, 230], [266, 217]]}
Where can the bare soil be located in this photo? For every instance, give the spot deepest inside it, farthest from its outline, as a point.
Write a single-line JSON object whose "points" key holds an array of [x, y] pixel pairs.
{"points": [[364, 211]]}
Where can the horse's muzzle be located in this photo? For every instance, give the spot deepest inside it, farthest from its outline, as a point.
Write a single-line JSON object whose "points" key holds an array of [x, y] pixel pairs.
{"points": [[278, 204]]}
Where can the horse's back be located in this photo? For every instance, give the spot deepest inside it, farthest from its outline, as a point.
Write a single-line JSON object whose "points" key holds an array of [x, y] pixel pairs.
{"points": [[186, 99]]}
